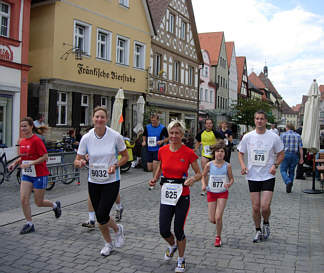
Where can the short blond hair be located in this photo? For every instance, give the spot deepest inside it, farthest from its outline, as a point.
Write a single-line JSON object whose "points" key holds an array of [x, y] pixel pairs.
{"points": [[177, 123]]}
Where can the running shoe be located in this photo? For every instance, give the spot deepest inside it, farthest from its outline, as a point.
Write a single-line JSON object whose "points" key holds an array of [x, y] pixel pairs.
{"points": [[89, 224], [27, 229], [120, 237], [257, 237], [57, 210], [169, 253], [266, 231], [151, 188], [107, 249], [118, 214], [203, 193], [218, 241], [181, 267]]}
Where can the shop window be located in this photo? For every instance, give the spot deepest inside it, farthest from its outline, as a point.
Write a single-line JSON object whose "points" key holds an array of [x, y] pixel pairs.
{"points": [[82, 37], [103, 44], [124, 3], [122, 50], [139, 55], [157, 62], [4, 19], [104, 102], [6, 120], [84, 110]]}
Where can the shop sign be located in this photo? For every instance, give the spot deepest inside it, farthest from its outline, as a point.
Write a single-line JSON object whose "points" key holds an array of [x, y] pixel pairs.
{"points": [[101, 73], [6, 53], [161, 87]]}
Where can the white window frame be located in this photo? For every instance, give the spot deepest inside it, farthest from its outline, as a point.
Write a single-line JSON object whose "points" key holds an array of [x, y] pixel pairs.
{"points": [[183, 30], [124, 50], [86, 112], [191, 76], [157, 64], [61, 104], [106, 44], [124, 3], [176, 71], [7, 16], [139, 57], [86, 45], [171, 22]]}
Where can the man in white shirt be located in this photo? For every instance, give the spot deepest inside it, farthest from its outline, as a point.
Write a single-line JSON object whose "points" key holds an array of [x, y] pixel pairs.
{"points": [[274, 129], [265, 152]]}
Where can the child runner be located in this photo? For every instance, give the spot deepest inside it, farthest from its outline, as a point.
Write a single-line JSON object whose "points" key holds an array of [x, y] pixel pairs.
{"points": [[219, 181]]}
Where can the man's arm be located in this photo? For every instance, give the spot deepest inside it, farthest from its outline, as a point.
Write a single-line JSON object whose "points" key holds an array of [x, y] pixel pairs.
{"points": [[244, 169]]}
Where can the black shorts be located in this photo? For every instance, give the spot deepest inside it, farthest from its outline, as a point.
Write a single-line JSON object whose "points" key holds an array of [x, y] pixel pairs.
{"points": [[258, 186], [152, 156]]}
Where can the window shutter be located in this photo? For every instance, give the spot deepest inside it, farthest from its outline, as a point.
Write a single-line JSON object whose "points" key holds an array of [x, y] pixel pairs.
{"points": [[52, 108], [76, 109], [96, 101]]}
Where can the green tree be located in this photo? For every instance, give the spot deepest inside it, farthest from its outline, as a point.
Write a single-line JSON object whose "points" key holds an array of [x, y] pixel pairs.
{"points": [[243, 111]]}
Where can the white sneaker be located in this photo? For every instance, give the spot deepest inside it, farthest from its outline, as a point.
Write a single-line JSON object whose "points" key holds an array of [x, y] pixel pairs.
{"points": [[258, 237], [107, 249], [266, 231], [120, 237]]}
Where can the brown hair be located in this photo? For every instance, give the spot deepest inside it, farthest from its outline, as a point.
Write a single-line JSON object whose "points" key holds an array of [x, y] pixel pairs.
{"points": [[29, 120], [290, 126], [216, 147], [261, 112], [100, 108]]}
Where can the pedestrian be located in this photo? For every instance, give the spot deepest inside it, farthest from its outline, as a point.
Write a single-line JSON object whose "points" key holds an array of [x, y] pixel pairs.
{"points": [[228, 138], [104, 174], [293, 155], [41, 132], [206, 138], [219, 180], [39, 120], [155, 136], [265, 153], [174, 161], [274, 129], [34, 173]]}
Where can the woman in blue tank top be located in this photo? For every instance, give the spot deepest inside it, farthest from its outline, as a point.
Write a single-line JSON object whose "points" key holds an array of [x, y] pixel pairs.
{"points": [[217, 177]]}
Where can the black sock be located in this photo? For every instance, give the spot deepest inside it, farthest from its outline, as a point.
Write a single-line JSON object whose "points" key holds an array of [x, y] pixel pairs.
{"points": [[258, 229], [266, 222]]}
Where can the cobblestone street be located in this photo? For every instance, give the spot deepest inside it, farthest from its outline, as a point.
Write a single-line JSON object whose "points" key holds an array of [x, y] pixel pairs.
{"points": [[296, 243]]}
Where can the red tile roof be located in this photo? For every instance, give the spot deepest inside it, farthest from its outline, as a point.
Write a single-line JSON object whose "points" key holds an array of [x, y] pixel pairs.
{"points": [[212, 42], [285, 108], [256, 81], [240, 61], [297, 107], [229, 50], [269, 85]]}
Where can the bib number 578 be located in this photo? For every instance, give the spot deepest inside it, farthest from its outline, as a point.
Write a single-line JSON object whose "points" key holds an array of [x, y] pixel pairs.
{"points": [[171, 194], [259, 157]]}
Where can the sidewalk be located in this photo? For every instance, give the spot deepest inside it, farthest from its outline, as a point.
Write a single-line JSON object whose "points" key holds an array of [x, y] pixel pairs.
{"points": [[296, 243]]}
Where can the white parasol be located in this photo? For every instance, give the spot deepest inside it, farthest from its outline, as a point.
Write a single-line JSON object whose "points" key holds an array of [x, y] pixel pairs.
{"points": [[140, 115], [117, 114]]}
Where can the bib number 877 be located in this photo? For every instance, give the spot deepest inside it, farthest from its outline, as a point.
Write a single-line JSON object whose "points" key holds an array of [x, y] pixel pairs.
{"points": [[171, 194], [259, 157], [217, 184], [99, 173]]}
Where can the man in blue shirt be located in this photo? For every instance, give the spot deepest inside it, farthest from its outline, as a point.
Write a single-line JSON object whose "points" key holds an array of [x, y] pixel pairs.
{"points": [[293, 154]]}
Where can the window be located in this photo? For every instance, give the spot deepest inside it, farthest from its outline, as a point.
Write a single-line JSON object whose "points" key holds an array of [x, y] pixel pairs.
{"points": [[183, 30], [218, 80], [157, 64], [191, 76], [82, 32], [201, 94], [124, 3], [61, 109], [206, 71], [122, 50], [211, 96], [217, 101], [171, 22], [103, 102], [139, 55], [4, 19], [84, 109], [176, 73], [206, 95], [103, 44]]}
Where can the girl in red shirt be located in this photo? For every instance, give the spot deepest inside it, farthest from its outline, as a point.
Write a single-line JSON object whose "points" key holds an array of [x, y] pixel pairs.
{"points": [[34, 173], [174, 161]]}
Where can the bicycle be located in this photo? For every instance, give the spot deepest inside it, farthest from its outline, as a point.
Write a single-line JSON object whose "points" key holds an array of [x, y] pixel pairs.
{"points": [[4, 163]]}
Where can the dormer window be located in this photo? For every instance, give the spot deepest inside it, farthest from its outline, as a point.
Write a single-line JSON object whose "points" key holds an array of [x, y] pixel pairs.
{"points": [[4, 19]]}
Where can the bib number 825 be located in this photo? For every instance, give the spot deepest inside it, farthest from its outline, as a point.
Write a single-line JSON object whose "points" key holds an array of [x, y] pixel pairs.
{"points": [[171, 194], [99, 173]]}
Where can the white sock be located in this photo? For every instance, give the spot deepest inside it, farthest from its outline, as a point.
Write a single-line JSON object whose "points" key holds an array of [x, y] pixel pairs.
{"points": [[180, 260], [54, 206], [29, 223], [91, 216]]}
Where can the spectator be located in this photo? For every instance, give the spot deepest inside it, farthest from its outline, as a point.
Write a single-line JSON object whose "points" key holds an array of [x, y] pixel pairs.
{"points": [[39, 120]]}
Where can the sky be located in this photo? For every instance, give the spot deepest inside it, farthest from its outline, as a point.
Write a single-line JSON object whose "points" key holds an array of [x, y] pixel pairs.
{"points": [[287, 35]]}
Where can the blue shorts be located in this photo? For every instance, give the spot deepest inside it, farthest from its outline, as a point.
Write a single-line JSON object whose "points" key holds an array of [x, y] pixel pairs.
{"points": [[39, 182], [152, 156]]}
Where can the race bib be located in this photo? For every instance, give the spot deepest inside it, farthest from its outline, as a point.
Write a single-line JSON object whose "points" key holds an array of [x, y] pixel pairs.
{"points": [[260, 157], [31, 171], [207, 150], [151, 141], [99, 172], [216, 183], [170, 193]]}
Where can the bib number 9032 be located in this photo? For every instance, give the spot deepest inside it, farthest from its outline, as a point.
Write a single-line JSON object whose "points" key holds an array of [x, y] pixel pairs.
{"points": [[99, 173]]}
